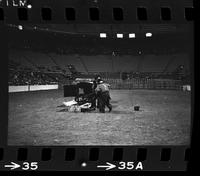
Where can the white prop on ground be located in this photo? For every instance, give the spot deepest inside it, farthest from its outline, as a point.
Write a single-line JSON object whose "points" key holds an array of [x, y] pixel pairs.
{"points": [[70, 103], [86, 105], [74, 108]]}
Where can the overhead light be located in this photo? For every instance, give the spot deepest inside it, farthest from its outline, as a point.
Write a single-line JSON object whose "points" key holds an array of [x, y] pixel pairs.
{"points": [[29, 6], [20, 27], [148, 34], [119, 35], [132, 35], [103, 35]]}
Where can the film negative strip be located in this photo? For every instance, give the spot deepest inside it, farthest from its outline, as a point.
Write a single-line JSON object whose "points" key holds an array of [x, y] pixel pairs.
{"points": [[96, 85]]}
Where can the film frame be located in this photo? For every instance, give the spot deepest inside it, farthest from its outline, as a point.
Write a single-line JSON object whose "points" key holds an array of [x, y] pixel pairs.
{"points": [[83, 158]]}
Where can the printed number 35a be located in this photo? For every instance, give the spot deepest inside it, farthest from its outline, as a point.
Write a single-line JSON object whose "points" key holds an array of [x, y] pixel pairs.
{"points": [[30, 166]]}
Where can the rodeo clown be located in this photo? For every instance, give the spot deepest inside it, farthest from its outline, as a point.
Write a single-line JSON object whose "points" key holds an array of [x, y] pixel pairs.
{"points": [[103, 96]]}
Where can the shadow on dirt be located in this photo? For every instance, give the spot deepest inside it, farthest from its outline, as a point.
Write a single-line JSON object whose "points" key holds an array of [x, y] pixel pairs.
{"points": [[97, 112], [112, 101], [122, 112], [61, 106], [62, 110]]}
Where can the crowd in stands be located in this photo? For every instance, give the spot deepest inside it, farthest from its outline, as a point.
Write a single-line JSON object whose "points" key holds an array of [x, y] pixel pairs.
{"points": [[152, 75], [33, 78], [144, 75], [27, 77]]}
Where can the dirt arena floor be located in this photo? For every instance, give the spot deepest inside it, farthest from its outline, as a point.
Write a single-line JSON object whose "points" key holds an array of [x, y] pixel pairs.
{"points": [[39, 118]]}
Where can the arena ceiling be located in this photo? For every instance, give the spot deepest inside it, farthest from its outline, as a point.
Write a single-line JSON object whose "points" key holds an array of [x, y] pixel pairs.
{"points": [[110, 29], [84, 38]]}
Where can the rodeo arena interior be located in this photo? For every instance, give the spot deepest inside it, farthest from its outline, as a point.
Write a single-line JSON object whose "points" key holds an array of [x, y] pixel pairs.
{"points": [[99, 84]]}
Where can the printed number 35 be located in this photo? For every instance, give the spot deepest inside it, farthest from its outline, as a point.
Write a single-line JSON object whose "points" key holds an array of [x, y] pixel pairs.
{"points": [[124, 165], [30, 166]]}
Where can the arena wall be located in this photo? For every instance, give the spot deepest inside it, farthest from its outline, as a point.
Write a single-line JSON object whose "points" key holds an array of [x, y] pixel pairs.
{"points": [[27, 88], [43, 87], [17, 88]]}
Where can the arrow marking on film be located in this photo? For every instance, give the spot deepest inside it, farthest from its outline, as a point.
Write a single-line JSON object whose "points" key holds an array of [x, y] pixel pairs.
{"points": [[108, 166], [13, 166]]}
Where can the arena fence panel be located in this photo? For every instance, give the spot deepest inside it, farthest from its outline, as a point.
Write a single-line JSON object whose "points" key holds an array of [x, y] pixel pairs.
{"points": [[145, 84]]}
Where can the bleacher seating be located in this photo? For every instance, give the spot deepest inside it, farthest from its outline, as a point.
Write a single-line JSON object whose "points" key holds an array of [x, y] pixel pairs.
{"points": [[126, 63], [38, 59], [98, 63], [64, 60], [31, 67], [18, 57], [153, 63], [177, 60]]}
